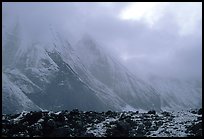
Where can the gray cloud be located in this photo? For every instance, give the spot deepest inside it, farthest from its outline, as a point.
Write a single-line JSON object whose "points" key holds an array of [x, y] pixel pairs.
{"points": [[159, 49]]}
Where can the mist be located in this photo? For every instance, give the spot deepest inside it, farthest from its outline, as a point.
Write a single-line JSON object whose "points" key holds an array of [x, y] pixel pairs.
{"points": [[162, 39]]}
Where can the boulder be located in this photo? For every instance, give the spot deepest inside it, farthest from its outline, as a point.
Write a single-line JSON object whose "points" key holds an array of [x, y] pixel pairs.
{"points": [[200, 111], [74, 112], [122, 126], [194, 112], [32, 117], [147, 123], [166, 113], [61, 132], [51, 123], [151, 112], [88, 135]]}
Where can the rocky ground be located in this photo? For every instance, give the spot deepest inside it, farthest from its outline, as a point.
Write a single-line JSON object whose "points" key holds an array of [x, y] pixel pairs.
{"points": [[104, 124]]}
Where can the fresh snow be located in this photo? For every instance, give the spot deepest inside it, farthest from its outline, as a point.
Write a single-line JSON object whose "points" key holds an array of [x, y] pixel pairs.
{"points": [[176, 127], [99, 129], [117, 87]]}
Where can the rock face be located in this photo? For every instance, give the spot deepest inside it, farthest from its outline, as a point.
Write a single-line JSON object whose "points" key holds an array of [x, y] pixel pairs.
{"points": [[54, 74], [77, 123], [50, 74]]}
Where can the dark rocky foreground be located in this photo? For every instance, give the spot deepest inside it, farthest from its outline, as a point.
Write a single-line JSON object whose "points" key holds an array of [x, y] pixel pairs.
{"points": [[104, 124]]}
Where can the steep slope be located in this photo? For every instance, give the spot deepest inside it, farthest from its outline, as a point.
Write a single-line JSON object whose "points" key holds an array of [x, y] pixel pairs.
{"points": [[112, 74], [10, 44], [71, 57], [180, 93], [14, 100], [50, 73], [42, 72], [52, 88], [157, 93]]}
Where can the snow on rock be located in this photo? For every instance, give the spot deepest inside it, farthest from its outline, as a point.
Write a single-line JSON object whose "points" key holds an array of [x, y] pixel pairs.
{"points": [[114, 76], [23, 81], [99, 130], [177, 94], [177, 127], [77, 123], [14, 99], [42, 60]]}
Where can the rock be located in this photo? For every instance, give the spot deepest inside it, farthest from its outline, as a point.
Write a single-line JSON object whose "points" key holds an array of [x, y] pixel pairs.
{"points": [[75, 124], [151, 112], [199, 118], [100, 118], [88, 135], [200, 111], [111, 114], [15, 129], [121, 129], [51, 123], [108, 112], [147, 123], [35, 129], [195, 129], [60, 118], [89, 119], [158, 123], [61, 132], [199, 133], [133, 133], [5, 122], [167, 132], [32, 117], [79, 125], [170, 118], [48, 126], [148, 133], [194, 112], [166, 113], [124, 117], [129, 120], [147, 119], [154, 128], [140, 130], [74, 112], [158, 118], [122, 126], [15, 116]]}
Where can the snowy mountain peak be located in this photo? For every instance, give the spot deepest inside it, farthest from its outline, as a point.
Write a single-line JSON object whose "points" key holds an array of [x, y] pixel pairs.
{"points": [[52, 73]]}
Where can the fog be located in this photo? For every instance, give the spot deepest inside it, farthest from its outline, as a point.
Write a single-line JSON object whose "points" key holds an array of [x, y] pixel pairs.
{"points": [[162, 39]]}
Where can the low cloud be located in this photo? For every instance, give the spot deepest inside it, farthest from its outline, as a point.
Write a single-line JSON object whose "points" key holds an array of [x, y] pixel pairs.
{"points": [[171, 46]]}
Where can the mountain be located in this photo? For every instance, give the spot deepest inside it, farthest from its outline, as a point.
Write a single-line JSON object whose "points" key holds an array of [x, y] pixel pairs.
{"points": [[115, 76], [48, 72], [43, 73], [180, 93], [14, 100]]}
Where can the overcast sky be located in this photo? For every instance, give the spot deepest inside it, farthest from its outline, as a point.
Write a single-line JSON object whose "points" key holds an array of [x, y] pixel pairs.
{"points": [[149, 38]]}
